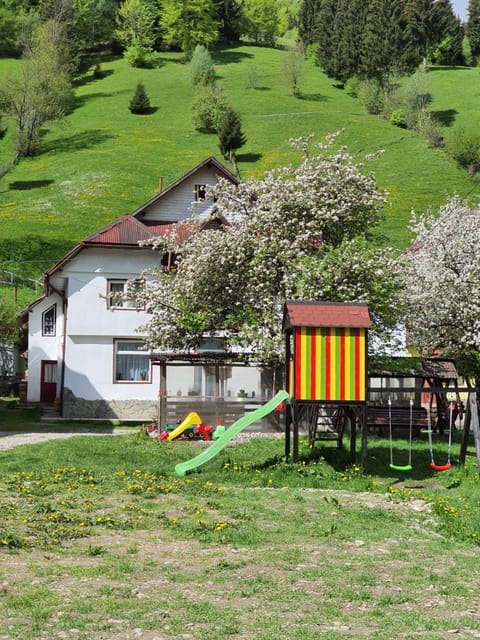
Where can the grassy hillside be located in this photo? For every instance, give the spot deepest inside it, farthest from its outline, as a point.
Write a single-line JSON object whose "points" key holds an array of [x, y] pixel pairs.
{"points": [[104, 161]]}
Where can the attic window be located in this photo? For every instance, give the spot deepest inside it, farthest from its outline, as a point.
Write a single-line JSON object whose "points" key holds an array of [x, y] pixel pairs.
{"points": [[49, 318], [200, 192]]}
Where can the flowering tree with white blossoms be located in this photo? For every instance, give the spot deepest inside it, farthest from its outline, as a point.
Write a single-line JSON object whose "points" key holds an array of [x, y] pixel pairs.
{"points": [[298, 233], [443, 279]]}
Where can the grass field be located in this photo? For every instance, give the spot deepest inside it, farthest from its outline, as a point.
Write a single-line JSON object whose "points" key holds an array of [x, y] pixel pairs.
{"points": [[103, 161], [99, 539]]}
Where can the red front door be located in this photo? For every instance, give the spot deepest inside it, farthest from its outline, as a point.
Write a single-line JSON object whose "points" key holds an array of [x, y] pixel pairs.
{"points": [[48, 381]]}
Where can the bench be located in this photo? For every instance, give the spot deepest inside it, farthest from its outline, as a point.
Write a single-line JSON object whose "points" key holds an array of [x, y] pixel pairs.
{"points": [[378, 421]]}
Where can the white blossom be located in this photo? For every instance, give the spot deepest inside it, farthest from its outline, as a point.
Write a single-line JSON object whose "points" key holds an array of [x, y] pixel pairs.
{"points": [[296, 233]]}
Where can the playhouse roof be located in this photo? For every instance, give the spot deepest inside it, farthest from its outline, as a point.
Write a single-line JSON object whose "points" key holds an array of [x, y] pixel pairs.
{"points": [[326, 314]]}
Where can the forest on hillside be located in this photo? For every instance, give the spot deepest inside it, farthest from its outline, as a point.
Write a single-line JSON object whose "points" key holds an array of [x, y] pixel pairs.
{"points": [[373, 41]]}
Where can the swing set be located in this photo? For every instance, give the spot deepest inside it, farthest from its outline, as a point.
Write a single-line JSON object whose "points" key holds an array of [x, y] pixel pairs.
{"points": [[448, 464], [433, 464], [408, 466]]}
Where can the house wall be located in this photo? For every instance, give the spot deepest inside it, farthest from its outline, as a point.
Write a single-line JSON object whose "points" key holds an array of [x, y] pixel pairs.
{"points": [[43, 347], [88, 312], [90, 389], [91, 328], [177, 204]]}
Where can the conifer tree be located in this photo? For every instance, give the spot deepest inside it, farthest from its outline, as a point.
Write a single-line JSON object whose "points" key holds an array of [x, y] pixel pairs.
{"points": [[201, 66], [308, 21], [140, 103], [230, 134], [473, 26], [229, 15], [427, 23], [382, 44], [326, 36], [348, 33]]}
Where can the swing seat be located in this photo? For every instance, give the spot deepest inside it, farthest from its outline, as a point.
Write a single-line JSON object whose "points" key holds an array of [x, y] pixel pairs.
{"points": [[440, 467], [396, 467]]}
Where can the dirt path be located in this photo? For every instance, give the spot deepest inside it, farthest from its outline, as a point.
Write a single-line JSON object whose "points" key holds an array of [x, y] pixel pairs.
{"points": [[9, 440]]}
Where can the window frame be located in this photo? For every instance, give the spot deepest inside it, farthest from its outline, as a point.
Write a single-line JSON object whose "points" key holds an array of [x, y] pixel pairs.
{"points": [[125, 304], [53, 332], [198, 190], [147, 368]]}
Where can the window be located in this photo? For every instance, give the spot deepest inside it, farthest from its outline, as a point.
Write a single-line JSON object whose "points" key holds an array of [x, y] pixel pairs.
{"points": [[200, 192], [132, 362], [120, 294], [49, 318]]}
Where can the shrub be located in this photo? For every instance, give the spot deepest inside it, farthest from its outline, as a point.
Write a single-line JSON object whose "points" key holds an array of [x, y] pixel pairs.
{"points": [[201, 66], [398, 118], [352, 86], [209, 107], [464, 147], [417, 98], [140, 103], [428, 127], [371, 95], [311, 52], [97, 72], [138, 56], [251, 77]]}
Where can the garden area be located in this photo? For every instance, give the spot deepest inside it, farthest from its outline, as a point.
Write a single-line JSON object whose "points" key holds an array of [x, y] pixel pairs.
{"points": [[100, 539]]}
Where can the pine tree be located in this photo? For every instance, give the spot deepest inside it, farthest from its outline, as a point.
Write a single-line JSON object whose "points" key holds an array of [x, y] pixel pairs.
{"points": [[229, 15], [308, 26], [230, 134], [140, 103], [428, 22], [473, 26], [349, 28], [326, 36]]}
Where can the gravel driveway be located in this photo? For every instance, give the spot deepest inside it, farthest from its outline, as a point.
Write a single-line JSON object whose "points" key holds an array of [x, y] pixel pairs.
{"points": [[9, 440]]}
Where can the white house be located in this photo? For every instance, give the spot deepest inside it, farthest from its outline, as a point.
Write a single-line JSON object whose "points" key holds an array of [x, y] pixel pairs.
{"points": [[84, 350]]}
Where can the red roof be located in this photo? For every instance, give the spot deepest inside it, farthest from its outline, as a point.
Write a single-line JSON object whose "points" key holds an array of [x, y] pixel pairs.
{"points": [[326, 314], [125, 231]]}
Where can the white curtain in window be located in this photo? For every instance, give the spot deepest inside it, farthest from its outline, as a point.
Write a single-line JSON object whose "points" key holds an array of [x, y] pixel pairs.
{"points": [[131, 362]]}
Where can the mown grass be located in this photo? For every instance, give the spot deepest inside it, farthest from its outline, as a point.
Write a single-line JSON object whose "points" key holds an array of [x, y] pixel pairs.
{"points": [[103, 161], [107, 542]]}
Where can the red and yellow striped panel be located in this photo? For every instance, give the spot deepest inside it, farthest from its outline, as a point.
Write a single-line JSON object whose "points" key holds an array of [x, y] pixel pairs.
{"points": [[330, 364]]}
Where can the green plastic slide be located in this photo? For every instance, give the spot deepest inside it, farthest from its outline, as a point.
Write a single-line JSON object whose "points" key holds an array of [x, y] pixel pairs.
{"points": [[230, 433]]}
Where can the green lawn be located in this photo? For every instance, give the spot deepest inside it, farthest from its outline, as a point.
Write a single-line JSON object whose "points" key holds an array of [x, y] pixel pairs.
{"points": [[99, 536], [104, 161]]}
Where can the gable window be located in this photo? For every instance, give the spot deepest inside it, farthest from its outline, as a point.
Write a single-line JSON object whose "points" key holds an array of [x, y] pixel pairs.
{"points": [[132, 362], [118, 294], [49, 318], [200, 192]]}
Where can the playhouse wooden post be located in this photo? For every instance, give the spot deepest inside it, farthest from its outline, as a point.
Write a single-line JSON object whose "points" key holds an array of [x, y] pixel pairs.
{"points": [[363, 449], [288, 409]]}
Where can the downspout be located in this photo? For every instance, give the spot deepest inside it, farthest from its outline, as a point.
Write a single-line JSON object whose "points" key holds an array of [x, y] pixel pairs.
{"points": [[50, 287]]}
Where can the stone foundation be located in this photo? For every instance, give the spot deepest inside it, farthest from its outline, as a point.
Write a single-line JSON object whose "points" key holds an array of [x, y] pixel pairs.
{"points": [[80, 408]]}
